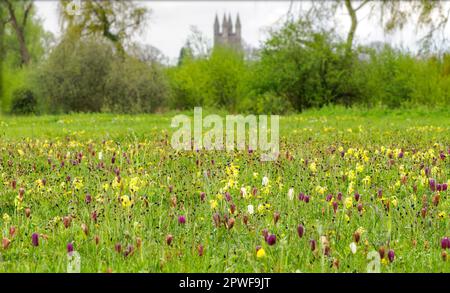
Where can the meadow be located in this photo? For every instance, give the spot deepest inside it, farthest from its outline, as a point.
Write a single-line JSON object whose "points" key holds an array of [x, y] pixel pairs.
{"points": [[350, 186]]}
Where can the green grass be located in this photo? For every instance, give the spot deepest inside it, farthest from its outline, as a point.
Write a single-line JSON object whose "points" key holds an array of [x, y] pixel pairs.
{"points": [[164, 184]]}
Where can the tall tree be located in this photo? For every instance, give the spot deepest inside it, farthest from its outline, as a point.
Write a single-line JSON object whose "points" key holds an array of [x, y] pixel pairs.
{"points": [[17, 15], [116, 20]]}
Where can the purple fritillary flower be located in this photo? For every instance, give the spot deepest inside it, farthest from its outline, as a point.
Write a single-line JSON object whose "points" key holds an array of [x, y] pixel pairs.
{"points": [[445, 243], [181, 219], [300, 230], [271, 239], [391, 255], [69, 247], [35, 239], [432, 184]]}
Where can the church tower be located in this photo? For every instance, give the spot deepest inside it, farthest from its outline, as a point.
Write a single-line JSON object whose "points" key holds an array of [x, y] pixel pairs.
{"points": [[229, 35]]}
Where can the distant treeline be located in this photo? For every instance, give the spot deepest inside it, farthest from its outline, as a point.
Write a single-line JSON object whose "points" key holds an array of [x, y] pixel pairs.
{"points": [[298, 67]]}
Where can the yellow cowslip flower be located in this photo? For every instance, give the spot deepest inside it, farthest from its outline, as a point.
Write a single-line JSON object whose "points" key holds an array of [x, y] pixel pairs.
{"points": [[135, 184], [313, 167], [78, 183], [348, 202], [359, 167], [347, 218], [442, 215], [213, 203], [126, 201], [394, 201], [351, 175], [351, 187], [261, 253], [6, 218], [21, 153], [321, 190], [40, 183], [255, 175], [366, 181], [116, 184], [105, 187]]}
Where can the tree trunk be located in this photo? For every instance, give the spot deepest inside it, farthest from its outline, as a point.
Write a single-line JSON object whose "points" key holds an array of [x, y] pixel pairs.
{"points": [[354, 25], [20, 33]]}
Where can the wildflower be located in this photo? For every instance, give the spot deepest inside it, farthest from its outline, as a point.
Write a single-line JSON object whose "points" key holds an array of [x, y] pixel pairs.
{"points": [[118, 247], [126, 201], [216, 218], [300, 230], [213, 203], [88, 198], [444, 255], [313, 167], [321, 190], [12, 231], [381, 251], [353, 247], [445, 243], [357, 196], [129, 251], [232, 208], [380, 193], [357, 236], [442, 215], [348, 202], [181, 219], [260, 253], [432, 184], [335, 206], [35, 239], [276, 217], [265, 233], [291, 193], [85, 229], [312, 244], [66, 221], [230, 223], [265, 181], [169, 239], [5, 243], [391, 255], [69, 247], [250, 209], [245, 219], [6, 218], [306, 199], [200, 250]]}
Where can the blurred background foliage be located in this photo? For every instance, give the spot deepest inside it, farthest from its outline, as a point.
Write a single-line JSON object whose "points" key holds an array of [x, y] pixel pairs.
{"points": [[95, 67]]}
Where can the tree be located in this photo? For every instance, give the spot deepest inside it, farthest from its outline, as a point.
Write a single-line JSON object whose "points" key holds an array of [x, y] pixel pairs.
{"points": [[115, 20], [18, 13]]}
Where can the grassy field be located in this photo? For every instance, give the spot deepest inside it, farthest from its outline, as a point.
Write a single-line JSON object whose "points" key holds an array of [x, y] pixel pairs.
{"points": [[349, 186]]}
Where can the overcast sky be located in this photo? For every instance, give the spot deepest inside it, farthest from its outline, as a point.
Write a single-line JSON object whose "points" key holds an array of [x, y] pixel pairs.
{"points": [[170, 22]]}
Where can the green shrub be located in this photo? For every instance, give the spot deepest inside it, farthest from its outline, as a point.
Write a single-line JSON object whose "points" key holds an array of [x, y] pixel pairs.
{"points": [[23, 102]]}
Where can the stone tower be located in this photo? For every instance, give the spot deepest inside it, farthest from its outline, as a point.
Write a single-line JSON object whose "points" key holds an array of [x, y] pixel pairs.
{"points": [[229, 35]]}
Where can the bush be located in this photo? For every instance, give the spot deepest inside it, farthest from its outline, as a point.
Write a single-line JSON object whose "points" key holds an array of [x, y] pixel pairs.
{"points": [[309, 68], [73, 77], [217, 80], [23, 102], [133, 86], [88, 76]]}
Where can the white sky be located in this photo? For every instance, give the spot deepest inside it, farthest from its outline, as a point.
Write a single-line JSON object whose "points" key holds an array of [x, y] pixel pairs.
{"points": [[170, 22]]}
